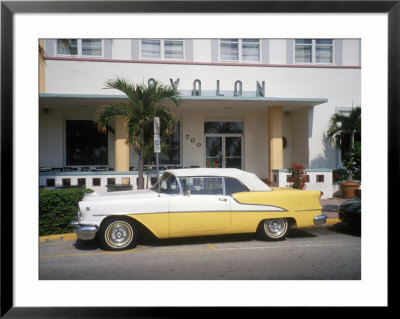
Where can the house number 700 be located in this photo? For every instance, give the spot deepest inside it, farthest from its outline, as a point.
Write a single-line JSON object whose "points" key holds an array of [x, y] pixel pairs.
{"points": [[193, 140]]}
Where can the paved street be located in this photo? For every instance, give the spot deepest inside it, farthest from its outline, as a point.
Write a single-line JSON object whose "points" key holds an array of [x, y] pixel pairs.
{"points": [[323, 252]]}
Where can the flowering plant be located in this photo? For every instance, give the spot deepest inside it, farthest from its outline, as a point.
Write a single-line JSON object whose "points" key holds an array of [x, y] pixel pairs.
{"points": [[297, 176], [212, 164]]}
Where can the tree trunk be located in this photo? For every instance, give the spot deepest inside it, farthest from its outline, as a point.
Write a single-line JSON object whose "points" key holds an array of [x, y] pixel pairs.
{"points": [[141, 167]]}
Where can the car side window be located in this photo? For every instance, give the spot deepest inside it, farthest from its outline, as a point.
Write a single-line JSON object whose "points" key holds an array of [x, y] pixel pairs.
{"points": [[203, 185], [168, 185], [232, 185]]}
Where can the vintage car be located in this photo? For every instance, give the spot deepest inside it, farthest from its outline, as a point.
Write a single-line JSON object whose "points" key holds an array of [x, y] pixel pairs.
{"points": [[350, 211], [196, 202]]}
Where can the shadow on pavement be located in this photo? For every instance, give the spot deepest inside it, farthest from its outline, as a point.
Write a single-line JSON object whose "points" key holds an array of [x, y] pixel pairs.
{"points": [[299, 233], [86, 244], [346, 229], [153, 241]]}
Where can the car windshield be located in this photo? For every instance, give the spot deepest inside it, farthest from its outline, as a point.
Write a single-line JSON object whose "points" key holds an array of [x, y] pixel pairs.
{"points": [[167, 184]]}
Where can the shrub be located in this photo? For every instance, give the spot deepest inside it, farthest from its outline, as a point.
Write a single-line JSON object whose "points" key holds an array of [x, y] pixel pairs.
{"points": [[57, 208], [340, 174], [297, 176]]}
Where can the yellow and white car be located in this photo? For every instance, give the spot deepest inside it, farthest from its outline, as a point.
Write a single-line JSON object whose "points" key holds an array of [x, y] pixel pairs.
{"points": [[197, 202]]}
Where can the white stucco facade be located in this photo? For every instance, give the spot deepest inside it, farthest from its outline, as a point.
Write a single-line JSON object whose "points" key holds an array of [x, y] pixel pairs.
{"points": [[308, 95]]}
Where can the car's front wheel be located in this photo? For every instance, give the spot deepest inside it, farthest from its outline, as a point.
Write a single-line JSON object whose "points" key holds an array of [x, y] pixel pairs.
{"points": [[118, 233], [274, 228]]}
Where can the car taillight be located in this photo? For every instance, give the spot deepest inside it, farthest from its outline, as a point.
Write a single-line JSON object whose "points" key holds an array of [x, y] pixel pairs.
{"points": [[322, 193]]}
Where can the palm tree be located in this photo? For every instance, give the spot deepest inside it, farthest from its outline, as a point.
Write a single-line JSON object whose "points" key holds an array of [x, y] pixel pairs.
{"points": [[144, 104], [345, 128]]}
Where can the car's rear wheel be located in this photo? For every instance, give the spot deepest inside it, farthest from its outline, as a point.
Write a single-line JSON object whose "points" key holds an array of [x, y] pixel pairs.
{"points": [[274, 228], [118, 233]]}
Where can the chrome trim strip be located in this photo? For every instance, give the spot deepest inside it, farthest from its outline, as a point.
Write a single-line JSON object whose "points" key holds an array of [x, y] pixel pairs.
{"points": [[281, 208]]}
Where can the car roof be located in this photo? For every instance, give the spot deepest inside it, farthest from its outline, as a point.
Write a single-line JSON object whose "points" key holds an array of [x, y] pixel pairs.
{"points": [[250, 180]]}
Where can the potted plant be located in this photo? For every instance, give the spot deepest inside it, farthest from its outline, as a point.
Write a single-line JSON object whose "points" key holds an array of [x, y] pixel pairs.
{"points": [[344, 128]]}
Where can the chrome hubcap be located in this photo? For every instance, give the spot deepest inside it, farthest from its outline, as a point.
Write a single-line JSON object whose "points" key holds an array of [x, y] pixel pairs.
{"points": [[119, 234], [275, 227]]}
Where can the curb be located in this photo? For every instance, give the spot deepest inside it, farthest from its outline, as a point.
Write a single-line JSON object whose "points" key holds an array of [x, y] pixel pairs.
{"points": [[63, 237], [72, 236]]}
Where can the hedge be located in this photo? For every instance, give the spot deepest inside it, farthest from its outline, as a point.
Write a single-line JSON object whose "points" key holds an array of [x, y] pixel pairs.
{"points": [[57, 208]]}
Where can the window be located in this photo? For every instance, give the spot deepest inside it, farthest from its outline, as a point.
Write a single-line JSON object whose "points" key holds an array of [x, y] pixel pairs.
{"points": [[162, 49], [232, 185], [241, 50], [80, 47], [314, 51], [110, 181], [173, 155], [50, 182], [67, 46], [202, 185], [85, 145], [223, 127], [167, 184], [66, 182], [81, 181], [91, 47]]}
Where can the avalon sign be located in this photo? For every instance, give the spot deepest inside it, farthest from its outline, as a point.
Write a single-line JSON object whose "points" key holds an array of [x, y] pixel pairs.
{"points": [[237, 87]]}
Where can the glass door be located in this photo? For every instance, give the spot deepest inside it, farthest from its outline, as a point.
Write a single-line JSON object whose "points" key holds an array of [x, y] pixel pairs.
{"points": [[214, 151], [224, 151], [233, 151]]}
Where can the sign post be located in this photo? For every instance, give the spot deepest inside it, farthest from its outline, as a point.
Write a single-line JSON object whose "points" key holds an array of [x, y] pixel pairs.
{"points": [[157, 147]]}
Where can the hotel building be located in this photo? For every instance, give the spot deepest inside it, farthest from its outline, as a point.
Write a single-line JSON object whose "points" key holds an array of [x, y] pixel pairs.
{"points": [[254, 104]]}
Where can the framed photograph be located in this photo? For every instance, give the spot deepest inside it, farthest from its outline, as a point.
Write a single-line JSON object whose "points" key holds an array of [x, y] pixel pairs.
{"points": [[194, 45]]}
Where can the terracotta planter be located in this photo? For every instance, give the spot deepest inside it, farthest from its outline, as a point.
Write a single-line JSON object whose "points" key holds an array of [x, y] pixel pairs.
{"points": [[347, 189]]}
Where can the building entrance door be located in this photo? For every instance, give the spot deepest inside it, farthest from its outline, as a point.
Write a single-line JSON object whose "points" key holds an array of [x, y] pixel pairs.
{"points": [[224, 150]]}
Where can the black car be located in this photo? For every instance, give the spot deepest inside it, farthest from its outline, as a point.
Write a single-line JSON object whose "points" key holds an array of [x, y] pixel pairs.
{"points": [[350, 211]]}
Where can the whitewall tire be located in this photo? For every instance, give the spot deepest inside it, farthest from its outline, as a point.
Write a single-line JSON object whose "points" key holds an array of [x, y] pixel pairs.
{"points": [[117, 233], [274, 228]]}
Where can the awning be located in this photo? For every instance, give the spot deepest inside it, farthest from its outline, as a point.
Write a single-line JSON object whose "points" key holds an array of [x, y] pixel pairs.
{"points": [[203, 102]]}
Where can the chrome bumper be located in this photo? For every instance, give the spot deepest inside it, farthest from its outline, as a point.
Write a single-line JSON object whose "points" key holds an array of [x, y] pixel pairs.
{"points": [[84, 232], [320, 219]]}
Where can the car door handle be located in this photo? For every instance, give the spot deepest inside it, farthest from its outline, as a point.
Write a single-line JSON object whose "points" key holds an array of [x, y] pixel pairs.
{"points": [[222, 199]]}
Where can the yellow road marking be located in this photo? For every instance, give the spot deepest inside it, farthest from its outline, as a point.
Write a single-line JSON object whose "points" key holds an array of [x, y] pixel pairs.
{"points": [[212, 247]]}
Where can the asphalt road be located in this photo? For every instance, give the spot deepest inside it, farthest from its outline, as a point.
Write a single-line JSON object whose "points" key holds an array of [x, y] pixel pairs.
{"points": [[327, 252]]}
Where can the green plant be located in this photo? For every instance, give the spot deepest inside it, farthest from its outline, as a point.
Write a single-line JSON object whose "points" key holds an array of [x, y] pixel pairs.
{"points": [[297, 176], [340, 174], [344, 130], [144, 103], [344, 126], [212, 164], [353, 162], [57, 208]]}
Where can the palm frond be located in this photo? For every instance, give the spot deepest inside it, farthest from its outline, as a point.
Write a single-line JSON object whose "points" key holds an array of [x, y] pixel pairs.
{"points": [[349, 124], [105, 113]]}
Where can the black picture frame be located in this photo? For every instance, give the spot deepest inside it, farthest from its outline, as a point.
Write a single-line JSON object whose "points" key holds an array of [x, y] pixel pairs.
{"points": [[9, 8]]}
